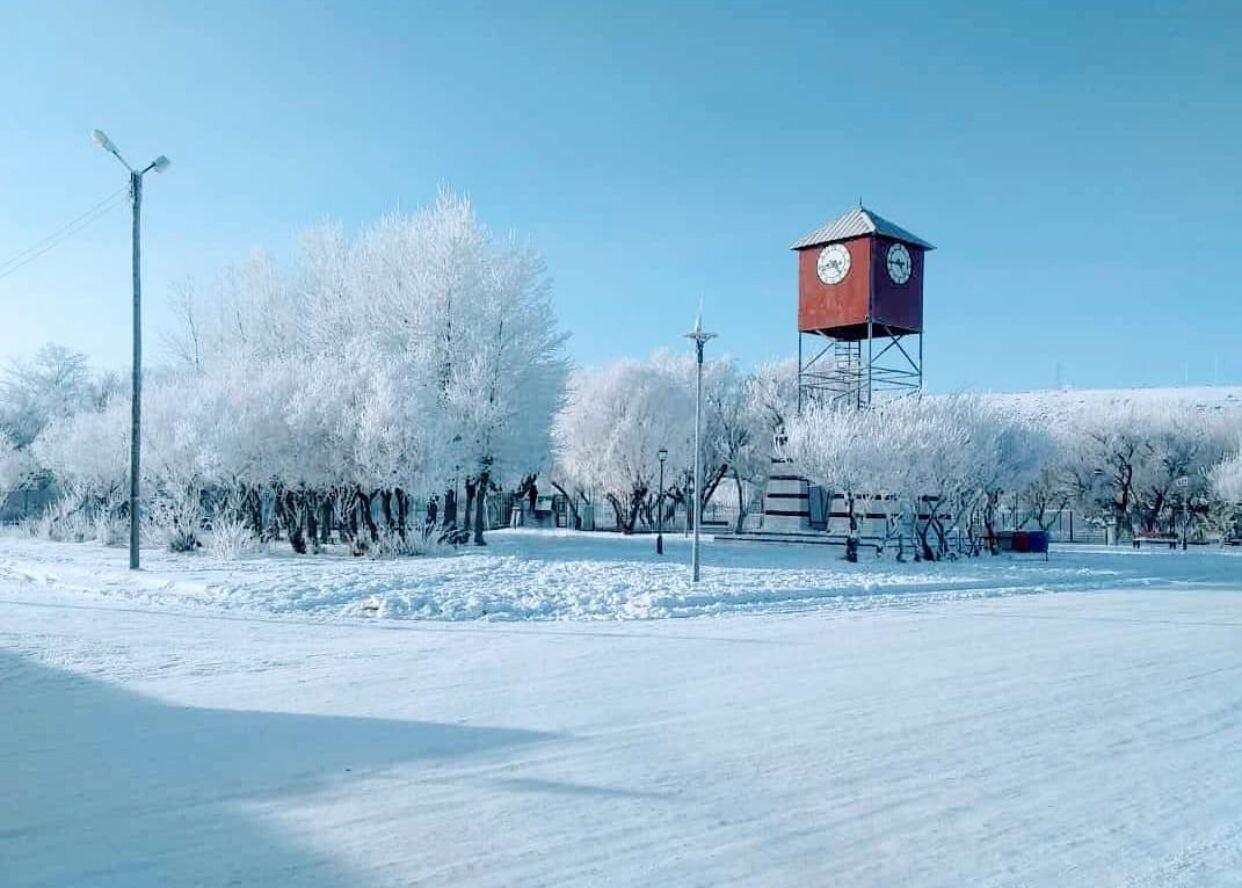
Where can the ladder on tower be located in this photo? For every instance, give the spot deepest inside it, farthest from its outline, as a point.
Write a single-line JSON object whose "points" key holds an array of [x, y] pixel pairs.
{"points": [[847, 383]]}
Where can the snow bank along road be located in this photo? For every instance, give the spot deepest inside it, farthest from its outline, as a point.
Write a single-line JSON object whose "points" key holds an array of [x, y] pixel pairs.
{"points": [[1085, 738]]}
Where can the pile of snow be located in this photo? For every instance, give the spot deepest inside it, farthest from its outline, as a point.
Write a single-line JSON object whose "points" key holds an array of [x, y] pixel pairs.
{"points": [[541, 575]]}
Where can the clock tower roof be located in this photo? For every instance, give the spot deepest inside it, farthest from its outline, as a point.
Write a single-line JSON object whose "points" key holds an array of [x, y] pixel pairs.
{"points": [[858, 222]]}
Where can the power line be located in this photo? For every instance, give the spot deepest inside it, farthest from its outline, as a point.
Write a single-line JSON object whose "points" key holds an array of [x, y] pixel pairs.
{"points": [[60, 235], [55, 234]]}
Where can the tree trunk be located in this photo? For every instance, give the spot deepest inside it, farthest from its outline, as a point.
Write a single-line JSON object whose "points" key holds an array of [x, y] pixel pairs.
{"points": [[325, 518], [618, 513], [989, 522], [712, 481], [928, 554], [478, 510], [311, 500], [571, 504], [403, 511], [741, 505], [471, 497], [851, 541], [293, 523], [251, 507], [637, 495], [279, 519], [390, 522], [449, 518], [362, 507]]}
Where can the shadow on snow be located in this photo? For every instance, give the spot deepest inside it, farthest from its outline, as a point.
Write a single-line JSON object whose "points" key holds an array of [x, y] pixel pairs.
{"points": [[103, 786]]}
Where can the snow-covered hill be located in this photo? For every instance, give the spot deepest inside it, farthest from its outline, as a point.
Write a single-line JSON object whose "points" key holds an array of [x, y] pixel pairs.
{"points": [[1050, 402]]}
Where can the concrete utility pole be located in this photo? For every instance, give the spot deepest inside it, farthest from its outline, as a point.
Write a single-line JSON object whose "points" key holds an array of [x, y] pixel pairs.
{"points": [[700, 339], [160, 164]]}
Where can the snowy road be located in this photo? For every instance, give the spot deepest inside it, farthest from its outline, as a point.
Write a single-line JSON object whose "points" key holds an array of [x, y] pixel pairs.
{"points": [[1085, 738]]}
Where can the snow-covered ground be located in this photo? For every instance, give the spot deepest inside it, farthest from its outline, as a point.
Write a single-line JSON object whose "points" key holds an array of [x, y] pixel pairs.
{"points": [[880, 725], [524, 575]]}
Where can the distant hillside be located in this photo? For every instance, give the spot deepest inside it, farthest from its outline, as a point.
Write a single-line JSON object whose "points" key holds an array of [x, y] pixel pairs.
{"points": [[1050, 402]]}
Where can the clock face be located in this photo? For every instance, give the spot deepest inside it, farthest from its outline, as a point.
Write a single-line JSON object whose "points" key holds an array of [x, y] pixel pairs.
{"points": [[833, 264], [899, 263]]}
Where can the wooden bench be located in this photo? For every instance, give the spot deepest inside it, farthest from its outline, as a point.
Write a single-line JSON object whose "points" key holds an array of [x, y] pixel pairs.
{"points": [[1166, 539]]}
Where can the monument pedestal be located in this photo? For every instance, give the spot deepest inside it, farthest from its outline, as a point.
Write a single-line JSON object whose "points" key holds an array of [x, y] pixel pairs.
{"points": [[786, 501]]}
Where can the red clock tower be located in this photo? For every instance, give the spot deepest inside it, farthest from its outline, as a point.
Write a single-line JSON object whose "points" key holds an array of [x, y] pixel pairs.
{"points": [[860, 294]]}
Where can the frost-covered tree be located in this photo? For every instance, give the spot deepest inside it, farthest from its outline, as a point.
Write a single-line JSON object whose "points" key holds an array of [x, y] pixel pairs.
{"points": [[608, 434], [728, 435], [89, 451], [929, 445], [772, 395], [839, 450], [1010, 455], [936, 462], [56, 383], [373, 369], [1226, 479], [1127, 463], [617, 418], [16, 466]]}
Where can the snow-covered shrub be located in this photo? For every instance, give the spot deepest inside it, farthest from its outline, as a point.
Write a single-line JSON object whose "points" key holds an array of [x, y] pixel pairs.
{"points": [[67, 520], [391, 544], [173, 519], [231, 538], [111, 529], [431, 543]]}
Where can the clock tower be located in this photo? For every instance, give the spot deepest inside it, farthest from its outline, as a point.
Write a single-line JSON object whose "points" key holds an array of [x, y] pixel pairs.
{"points": [[860, 300], [860, 338]]}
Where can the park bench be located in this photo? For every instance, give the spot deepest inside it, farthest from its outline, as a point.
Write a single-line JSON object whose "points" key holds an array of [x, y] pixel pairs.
{"points": [[1033, 542], [1162, 539]]}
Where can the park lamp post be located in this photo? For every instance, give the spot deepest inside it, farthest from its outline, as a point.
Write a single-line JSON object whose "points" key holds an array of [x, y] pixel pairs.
{"points": [[700, 339], [1183, 485], [661, 455], [158, 165]]}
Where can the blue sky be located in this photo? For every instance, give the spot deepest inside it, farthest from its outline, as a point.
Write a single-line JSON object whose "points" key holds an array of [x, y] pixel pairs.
{"points": [[1080, 169]]}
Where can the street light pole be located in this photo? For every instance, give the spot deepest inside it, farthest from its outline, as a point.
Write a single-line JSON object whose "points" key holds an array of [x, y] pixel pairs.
{"points": [[662, 455], [160, 164], [135, 426], [1183, 484], [700, 339]]}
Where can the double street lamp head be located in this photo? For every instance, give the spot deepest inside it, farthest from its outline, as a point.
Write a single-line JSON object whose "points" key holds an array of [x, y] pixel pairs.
{"points": [[101, 139]]}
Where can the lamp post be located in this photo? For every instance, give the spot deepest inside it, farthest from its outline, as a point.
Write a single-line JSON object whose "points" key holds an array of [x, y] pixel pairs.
{"points": [[1183, 484], [661, 455], [700, 339], [160, 164]]}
